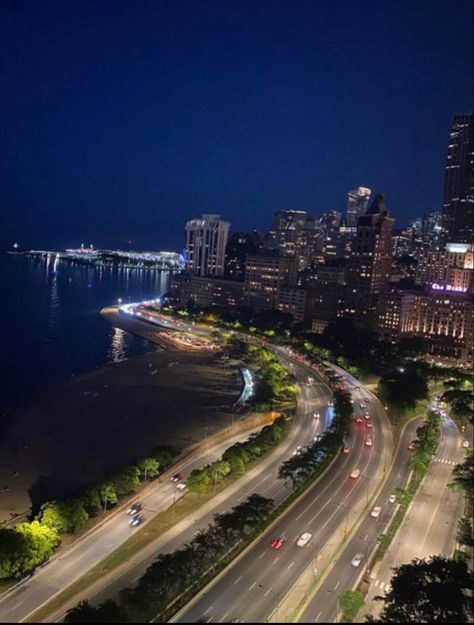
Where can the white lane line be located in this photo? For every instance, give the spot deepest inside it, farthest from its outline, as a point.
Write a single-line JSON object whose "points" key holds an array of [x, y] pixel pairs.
{"points": [[209, 608], [317, 618], [336, 586], [268, 591], [223, 618], [276, 559], [376, 583], [290, 565], [237, 580], [260, 557], [253, 586]]}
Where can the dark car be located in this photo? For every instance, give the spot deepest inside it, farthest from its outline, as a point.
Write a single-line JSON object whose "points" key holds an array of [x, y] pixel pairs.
{"points": [[135, 509]]}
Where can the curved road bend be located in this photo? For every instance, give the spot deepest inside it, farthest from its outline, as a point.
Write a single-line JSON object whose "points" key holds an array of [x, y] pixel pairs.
{"points": [[261, 479], [429, 527], [322, 608], [251, 588], [57, 575]]}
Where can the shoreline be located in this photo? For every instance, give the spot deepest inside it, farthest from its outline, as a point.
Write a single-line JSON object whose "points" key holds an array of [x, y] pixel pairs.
{"points": [[75, 431]]}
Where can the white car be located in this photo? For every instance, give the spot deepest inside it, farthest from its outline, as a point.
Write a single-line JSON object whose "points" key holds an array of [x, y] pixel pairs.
{"points": [[316, 415], [357, 559], [304, 539], [392, 499], [368, 442], [181, 486], [376, 512], [465, 444], [355, 474]]}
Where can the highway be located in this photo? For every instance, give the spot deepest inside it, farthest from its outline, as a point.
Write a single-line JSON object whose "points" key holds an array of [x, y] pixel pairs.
{"points": [[261, 479], [429, 527], [251, 588], [323, 607], [61, 571]]}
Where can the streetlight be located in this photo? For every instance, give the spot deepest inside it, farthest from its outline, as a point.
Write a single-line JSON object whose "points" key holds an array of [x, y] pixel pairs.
{"points": [[119, 300]]}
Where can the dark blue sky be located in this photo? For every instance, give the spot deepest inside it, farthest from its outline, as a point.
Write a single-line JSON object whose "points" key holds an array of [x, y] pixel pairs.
{"points": [[121, 120]]}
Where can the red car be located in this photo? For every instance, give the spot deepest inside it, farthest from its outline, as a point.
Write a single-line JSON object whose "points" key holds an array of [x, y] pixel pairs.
{"points": [[277, 543], [346, 450], [359, 420], [369, 425]]}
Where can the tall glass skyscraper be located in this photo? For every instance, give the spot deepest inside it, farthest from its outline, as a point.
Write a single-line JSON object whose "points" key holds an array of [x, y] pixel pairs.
{"points": [[206, 240], [457, 218], [357, 202]]}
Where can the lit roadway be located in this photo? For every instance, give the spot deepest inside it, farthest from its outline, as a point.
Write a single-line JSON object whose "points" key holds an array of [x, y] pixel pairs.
{"points": [[251, 589], [429, 527], [72, 563], [323, 606]]}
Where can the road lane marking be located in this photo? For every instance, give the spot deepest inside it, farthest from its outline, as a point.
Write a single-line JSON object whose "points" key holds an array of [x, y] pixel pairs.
{"points": [[238, 580], [253, 585], [376, 583], [276, 559], [317, 618], [209, 608], [290, 565], [267, 592], [260, 557], [336, 586], [221, 620]]}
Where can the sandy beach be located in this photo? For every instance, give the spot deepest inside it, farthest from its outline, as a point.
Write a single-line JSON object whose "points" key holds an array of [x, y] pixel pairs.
{"points": [[76, 431]]}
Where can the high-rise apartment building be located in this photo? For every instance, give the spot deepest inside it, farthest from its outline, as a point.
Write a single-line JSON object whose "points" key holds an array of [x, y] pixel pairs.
{"points": [[265, 276], [293, 233], [449, 269], [206, 240], [357, 202], [370, 263], [458, 205], [239, 246]]}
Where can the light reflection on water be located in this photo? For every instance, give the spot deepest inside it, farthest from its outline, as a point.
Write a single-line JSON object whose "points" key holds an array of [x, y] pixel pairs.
{"points": [[50, 327]]}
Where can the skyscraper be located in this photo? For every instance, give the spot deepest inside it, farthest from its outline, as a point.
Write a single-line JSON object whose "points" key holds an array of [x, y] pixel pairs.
{"points": [[293, 233], [206, 240], [357, 202], [457, 219], [370, 263]]}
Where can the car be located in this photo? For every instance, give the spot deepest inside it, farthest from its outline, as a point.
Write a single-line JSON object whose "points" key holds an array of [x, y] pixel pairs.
{"points": [[175, 478], [135, 520], [357, 559], [316, 415], [369, 425], [277, 543], [411, 446], [351, 400], [346, 450], [392, 499], [297, 451], [362, 406], [330, 403], [181, 486], [359, 420], [465, 444], [317, 438], [310, 379], [357, 388], [366, 415], [355, 474], [368, 442], [304, 539], [376, 512], [135, 509]]}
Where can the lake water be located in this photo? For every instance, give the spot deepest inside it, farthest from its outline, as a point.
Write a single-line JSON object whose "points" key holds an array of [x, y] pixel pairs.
{"points": [[50, 327]]}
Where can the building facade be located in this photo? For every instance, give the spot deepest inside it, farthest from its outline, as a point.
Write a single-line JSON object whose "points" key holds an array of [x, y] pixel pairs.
{"points": [[206, 240], [265, 275], [458, 205], [357, 203]]}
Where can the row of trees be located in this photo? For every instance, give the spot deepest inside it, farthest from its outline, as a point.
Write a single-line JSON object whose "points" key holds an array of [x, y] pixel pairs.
{"points": [[175, 576], [29, 544], [299, 468], [463, 479], [236, 458], [427, 437]]}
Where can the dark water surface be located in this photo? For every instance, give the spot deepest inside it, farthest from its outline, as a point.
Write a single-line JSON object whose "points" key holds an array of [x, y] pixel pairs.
{"points": [[50, 327]]}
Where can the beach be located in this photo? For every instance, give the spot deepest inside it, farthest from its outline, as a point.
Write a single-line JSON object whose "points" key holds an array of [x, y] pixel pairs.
{"points": [[74, 432]]}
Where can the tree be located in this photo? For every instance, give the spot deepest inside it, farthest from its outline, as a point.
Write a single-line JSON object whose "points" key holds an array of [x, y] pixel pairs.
{"points": [[65, 516], [13, 553], [126, 481], [464, 476], [164, 454], [26, 546], [149, 468], [350, 602], [108, 612], [436, 590]]}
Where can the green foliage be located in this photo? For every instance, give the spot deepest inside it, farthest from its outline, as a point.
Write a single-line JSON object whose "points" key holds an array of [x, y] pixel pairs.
{"points": [[66, 516], [125, 481], [403, 388], [149, 468], [164, 454], [350, 602], [436, 590], [464, 476], [426, 442], [26, 546]]}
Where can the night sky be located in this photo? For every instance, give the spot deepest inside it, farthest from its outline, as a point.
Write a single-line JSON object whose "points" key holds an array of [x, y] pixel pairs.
{"points": [[121, 120]]}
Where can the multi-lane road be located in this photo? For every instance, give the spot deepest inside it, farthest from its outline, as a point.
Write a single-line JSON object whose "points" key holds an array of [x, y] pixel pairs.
{"points": [[21, 603], [252, 588]]}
